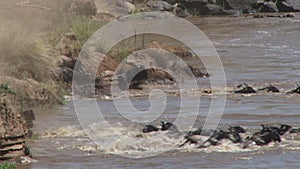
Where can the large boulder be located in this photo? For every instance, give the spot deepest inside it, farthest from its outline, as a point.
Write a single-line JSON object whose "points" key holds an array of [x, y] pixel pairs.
{"points": [[209, 7], [126, 6], [237, 4], [288, 5], [194, 6], [150, 66], [265, 7], [212, 9]]}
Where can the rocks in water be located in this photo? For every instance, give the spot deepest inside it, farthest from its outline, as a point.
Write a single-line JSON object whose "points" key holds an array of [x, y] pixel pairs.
{"points": [[258, 16], [288, 15], [270, 88], [245, 89]]}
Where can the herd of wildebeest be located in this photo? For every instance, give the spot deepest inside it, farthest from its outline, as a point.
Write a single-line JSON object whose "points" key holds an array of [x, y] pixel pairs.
{"points": [[264, 136], [246, 89], [236, 134]]}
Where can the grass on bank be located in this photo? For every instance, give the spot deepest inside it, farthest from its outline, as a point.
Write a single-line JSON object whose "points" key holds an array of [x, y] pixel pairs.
{"points": [[7, 166], [82, 27]]}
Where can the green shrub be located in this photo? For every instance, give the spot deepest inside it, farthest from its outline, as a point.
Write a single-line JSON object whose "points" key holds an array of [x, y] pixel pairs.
{"points": [[7, 166], [82, 27]]}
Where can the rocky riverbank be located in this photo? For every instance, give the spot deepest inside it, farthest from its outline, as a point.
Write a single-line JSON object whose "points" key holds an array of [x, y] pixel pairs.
{"points": [[200, 7], [14, 126]]}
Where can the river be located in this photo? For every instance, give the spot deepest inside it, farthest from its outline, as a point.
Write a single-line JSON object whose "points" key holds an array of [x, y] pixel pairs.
{"points": [[255, 51]]}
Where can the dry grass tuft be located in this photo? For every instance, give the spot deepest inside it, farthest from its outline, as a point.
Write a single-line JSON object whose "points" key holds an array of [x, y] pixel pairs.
{"points": [[22, 55]]}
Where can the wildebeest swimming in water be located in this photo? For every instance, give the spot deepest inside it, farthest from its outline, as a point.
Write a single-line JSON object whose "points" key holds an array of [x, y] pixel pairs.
{"points": [[218, 135], [149, 128], [297, 130], [193, 137], [245, 89], [297, 90], [267, 135], [270, 88], [237, 129], [164, 126], [233, 134]]}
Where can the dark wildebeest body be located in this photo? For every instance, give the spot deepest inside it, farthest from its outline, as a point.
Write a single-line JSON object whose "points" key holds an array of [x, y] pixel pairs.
{"points": [[267, 134], [270, 88], [297, 90], [245, 89], [149, 129]]}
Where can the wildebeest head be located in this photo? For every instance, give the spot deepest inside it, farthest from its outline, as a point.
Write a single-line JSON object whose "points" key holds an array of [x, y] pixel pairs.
{"points": [[237, 129], [245, 88], [166, 125], [283, 129]]}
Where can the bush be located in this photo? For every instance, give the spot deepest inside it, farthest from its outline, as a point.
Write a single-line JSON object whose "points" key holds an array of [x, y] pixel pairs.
{"points": [[7, 166]]}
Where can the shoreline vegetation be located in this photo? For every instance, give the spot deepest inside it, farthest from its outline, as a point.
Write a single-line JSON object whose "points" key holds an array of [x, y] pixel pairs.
{"points": [[38, 55]]}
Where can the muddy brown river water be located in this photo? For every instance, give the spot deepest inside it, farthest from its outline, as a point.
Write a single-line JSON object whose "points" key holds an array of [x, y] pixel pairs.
{"points": [[256, 51]]}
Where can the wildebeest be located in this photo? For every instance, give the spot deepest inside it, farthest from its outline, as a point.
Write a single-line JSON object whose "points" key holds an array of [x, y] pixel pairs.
{"points": [[295, 130], [296, 90], [270, 88], [237, 129], [165, 125], [193, 137], [245, 89], [149, 129], [267, 134], [233, 134]]}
